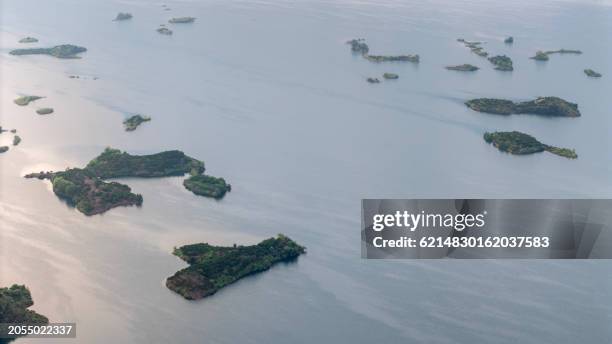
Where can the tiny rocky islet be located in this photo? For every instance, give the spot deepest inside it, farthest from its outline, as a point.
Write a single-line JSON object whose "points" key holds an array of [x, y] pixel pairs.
{"points": [[123, 16], [28, 40], [591, 73], [134, 121], [45, 111]]}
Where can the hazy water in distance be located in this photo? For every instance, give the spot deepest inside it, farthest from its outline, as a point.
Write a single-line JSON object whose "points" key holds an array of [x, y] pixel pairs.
{"points": [[268, 94]]}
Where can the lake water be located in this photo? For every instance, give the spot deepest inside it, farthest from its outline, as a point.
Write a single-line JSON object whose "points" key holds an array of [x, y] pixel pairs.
{"points": [[268, 94]]}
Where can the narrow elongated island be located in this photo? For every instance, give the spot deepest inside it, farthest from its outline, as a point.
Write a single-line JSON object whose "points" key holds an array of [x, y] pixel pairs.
{"points": [[87, 190], [214, 267], [515, 142], [463, 68], [361, 47], [65, 51], [543, 106]]}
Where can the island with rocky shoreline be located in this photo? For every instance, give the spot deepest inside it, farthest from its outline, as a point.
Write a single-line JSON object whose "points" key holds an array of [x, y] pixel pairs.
{"points": [[214, 267], [544, 106], [515, 142]]}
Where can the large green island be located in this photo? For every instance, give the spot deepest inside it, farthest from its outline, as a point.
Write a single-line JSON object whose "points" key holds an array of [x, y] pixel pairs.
{"points": [[214, 267], [87, 189], [544, 106], [518, 143], [64, 51], [14, 304]]}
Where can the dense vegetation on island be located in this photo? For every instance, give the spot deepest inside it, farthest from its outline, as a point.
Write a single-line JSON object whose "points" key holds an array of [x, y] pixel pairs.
{"points": [[113, 163], [134, 121], [463, 68], [361, 47], [88, 191], [123, 16], [25, 100], [592, 73], [209, 186], [502, 62], [182, 20], [4, 149], [390, 76], [214, 267], [509, 40], [28, 40], [518, 143], [14, 304], [544, 106], [65, 51], [373, 80], [44, 111], [91, 195], [16, 140]]}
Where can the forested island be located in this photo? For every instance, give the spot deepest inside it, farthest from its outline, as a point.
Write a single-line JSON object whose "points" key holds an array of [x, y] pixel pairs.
{"points": [[544, 106], [65, 51], [502, 62], [14, 304], [87, 189], [214, 267], [4, 149], [518, 143], [209, 186], [134, 121]]}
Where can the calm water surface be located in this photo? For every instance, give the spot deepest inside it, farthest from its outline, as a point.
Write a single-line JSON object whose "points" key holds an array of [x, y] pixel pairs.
{"points": [[268, 94]]}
